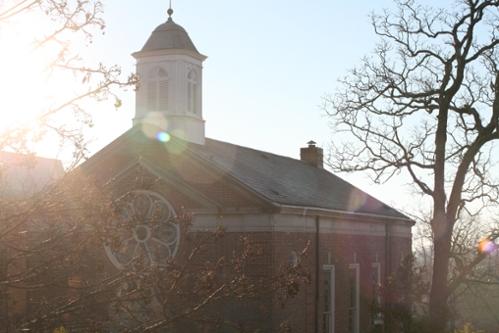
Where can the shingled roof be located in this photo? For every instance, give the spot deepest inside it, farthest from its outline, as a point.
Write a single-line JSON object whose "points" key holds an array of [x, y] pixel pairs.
{"points": [[277, 179], [287, 181]]}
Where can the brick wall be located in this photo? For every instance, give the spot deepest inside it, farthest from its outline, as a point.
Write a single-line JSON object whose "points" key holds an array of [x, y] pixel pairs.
{"points": [[279, 250]]}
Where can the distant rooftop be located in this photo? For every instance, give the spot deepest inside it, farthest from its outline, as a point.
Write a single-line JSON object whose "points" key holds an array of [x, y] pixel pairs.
{"points": [[23, 175]]}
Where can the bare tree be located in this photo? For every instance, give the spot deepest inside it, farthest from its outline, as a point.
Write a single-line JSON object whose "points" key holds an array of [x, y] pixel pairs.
{"points": [[472, 249], [426, 104], [54, 271], [46, 239], [57, 31]]}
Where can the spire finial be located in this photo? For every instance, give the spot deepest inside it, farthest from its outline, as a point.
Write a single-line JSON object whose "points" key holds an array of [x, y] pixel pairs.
{"points": [[170, 11]]}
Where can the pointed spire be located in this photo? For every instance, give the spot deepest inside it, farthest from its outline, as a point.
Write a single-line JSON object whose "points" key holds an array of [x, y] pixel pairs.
{"points": [[170, 11]]}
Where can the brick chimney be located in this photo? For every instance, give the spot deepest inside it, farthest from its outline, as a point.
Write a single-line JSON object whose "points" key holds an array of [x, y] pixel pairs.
{"points": [[312, 155]]}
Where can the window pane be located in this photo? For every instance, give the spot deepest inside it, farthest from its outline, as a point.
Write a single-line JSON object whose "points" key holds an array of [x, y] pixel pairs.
{"points": [[353, 310], [162, 73], [189, 97], [328, 305], [151, 95], [163, 95], [194, 99]]}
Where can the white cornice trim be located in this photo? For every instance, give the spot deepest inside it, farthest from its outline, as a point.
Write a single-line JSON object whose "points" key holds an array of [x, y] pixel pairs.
{"points": [[294, 224], [155, 53], [315, 211]]}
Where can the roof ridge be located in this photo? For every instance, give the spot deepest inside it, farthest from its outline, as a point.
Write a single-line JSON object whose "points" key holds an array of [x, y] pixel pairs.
{"points": [[266, 152], [110, 146]]}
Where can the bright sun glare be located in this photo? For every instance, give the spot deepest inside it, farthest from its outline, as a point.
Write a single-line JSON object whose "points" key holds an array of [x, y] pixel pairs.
{"points": [[24, 78], [30, 86]]}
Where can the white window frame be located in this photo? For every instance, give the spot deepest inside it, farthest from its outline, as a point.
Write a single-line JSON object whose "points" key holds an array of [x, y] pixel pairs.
{"points": [[356, 307], [332, 297], [378, 317], [376, 266]]}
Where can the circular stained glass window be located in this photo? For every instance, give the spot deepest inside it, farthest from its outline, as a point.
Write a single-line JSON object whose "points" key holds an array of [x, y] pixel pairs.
{"points": [[146, 230]]}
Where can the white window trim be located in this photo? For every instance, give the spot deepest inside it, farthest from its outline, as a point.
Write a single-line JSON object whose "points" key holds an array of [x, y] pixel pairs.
{"points": [[377, 266], [332, 296], [356, 267], [378, 319]]}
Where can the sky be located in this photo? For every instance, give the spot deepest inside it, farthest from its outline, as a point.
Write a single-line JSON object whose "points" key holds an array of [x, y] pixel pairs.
{"points": [[269, 65]]}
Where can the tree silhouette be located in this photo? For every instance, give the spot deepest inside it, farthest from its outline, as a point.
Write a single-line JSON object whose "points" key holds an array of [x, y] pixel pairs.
{"points": [[426, 104]]}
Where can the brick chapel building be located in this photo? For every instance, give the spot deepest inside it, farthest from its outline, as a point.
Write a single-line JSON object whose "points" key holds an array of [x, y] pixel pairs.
{"points": [[355, 241]]}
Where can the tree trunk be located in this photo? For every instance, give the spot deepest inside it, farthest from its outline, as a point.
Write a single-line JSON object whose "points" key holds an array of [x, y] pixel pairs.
{"points": [[439, 311]]}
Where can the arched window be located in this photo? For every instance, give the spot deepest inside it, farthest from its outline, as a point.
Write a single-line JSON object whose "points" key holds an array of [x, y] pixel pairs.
{"points": [[157, 90], [192, 92]]}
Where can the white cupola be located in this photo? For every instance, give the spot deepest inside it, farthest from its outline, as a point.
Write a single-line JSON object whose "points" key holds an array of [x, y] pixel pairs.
{"points": [[170, 71]]}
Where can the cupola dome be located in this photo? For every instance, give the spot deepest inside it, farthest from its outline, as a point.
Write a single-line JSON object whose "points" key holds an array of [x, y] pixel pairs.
{"points": [[169, 35]]}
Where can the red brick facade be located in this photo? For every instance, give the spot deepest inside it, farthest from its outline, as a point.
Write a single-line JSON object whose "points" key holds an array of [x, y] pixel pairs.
{"points": [[305, 311]]}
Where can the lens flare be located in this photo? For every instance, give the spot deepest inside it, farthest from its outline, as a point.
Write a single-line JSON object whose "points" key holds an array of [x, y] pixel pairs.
{"points": [[486, 246], [153, 123], [163, 137], [356, 200]]}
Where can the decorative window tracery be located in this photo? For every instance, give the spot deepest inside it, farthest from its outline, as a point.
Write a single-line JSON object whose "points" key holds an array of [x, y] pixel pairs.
{"points": [[146, 231]]}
